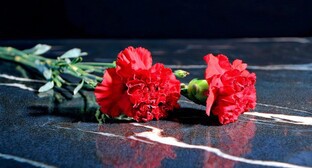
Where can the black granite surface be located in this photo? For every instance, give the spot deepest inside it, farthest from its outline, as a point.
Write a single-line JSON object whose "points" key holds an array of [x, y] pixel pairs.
{"points": [[36, 131]]}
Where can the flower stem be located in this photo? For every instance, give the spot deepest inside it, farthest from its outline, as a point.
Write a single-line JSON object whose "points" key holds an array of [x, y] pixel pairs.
{"points": [[100, 64], [51, 69]]}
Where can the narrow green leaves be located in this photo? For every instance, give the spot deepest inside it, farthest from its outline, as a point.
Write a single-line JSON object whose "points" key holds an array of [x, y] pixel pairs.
{"points": [[47, 73], [78, 87], [73, 53], [68, 64]]}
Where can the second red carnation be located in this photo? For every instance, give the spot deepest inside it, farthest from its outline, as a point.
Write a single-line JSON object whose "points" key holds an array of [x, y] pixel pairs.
{"points": [[231, 88]]}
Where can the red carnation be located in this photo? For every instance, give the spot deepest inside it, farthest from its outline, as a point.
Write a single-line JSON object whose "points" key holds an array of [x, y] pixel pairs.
{"points": [[231, 88], [136, 88]]}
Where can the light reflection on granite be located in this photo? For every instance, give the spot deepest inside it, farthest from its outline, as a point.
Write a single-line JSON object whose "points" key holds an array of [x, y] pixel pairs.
{"points": [[131, 153], [25, 161], [235, 140]]}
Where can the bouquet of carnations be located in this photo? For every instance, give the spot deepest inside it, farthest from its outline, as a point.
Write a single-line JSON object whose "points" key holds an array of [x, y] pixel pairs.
{"points": [[134, 88]]}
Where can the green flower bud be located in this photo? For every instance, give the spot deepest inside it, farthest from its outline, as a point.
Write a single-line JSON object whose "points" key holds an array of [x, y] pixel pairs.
{"points": [[196, 91], [181, 73]]}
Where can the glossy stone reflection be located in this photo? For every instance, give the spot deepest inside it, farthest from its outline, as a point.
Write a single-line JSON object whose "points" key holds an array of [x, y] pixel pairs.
{"points": [[131, 153], [126, 145], [41, 130], [235, 139]]}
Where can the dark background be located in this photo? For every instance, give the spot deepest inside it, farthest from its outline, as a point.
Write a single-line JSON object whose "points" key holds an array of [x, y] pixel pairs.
{"points": [[155, 18]]}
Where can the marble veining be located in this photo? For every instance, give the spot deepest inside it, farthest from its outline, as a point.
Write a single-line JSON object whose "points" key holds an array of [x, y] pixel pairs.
{"points": [[282, 107], [277, 40], [291, 119], [294, 67], [155, 135], [24, 160], [18, 85], [11, 77]]}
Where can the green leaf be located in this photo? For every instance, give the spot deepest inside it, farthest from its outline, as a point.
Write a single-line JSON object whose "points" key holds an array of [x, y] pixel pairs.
{"points": [[57, 82], [38, 49], [100, 117], [123, 117], [73, 53], [91, 83], [47, 73], [76, 60], [49, 85], [78, 87], [67, 60]]}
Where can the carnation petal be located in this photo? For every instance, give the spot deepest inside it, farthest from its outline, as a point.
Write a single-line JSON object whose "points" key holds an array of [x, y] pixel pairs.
{"points": [[239, 65], [216, 65], [210, 100], [132, 59], [109, 92]]}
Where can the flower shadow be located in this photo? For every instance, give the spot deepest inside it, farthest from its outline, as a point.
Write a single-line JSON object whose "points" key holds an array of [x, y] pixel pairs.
{"points": [[192, 116]]}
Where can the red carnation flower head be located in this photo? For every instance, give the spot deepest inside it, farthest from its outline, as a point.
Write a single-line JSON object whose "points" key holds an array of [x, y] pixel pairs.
{"points": [[136, 88], [231, 88]]}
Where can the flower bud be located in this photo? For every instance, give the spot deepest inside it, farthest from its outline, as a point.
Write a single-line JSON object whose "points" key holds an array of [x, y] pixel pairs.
{"points": [[181, 73], [196, 91]]}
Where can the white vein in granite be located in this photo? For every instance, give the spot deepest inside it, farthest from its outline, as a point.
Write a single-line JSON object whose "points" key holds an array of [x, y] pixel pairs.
{"points": [[278, 40], [187, 66], [20, 79], [24, 160], [155, 135], [102, 133], [282, 107], [295, 67], [292, 119], [298, 120], [18, 85], [114, 135]]}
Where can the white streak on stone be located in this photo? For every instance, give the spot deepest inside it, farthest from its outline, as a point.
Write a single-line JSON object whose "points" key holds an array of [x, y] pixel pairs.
{"points": [[282, 107], [136, 139], [23, 160], [295, 67], [299, 120], [155, 135], [60, 127], [20, 79], [187, 66], [18, 85], [102, 133], [278, 40]]}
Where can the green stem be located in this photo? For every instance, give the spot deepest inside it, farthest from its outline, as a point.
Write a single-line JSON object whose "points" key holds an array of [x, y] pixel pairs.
{"points": [[18, 59], [107, 65]]}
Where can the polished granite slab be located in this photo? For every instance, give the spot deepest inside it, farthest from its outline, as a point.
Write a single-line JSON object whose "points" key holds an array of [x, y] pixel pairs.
{"points": [[36, 131]]}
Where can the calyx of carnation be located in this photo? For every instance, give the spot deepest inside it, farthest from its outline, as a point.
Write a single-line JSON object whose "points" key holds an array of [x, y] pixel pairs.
{"points": [[196, 90]]}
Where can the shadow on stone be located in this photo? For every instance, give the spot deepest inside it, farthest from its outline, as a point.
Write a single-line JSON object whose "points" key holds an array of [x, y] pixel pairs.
{"points": [[192, 116]]}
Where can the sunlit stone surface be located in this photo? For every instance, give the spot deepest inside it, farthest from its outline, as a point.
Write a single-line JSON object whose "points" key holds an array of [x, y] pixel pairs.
{"points": [[36, 131]]}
